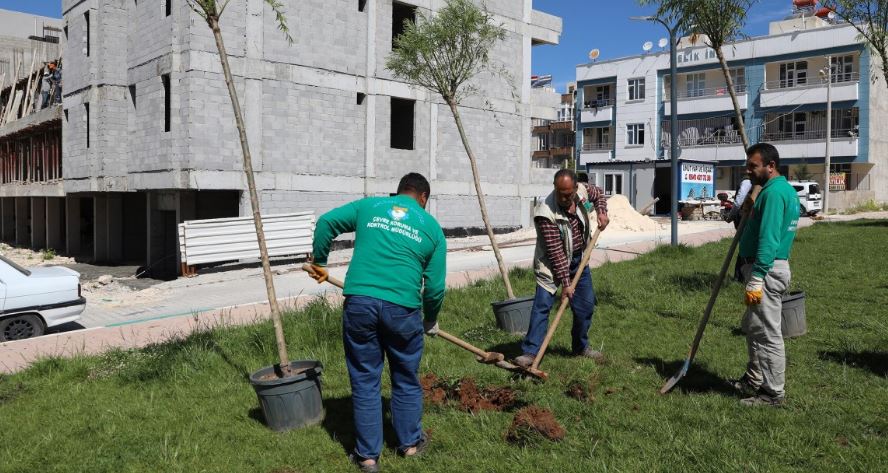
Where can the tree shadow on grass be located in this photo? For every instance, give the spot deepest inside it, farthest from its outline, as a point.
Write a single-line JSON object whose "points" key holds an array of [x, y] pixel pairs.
{"points": [[698, 281], [873, 361], [869, 223], [698, 379]]}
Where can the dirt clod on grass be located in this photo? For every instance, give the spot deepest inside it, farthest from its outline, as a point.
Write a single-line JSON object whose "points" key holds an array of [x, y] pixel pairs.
{"points": [[472, 399], [467, 394], [583, 391], [434, 391], [532, 423]]}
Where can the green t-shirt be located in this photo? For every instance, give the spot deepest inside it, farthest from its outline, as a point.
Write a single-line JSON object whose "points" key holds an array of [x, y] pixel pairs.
{"points": [[399, 249], [772, 226]]}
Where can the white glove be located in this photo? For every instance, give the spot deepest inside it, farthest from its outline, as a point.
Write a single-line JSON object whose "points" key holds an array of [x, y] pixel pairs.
{"points": [[754, 290], [430, 328]]}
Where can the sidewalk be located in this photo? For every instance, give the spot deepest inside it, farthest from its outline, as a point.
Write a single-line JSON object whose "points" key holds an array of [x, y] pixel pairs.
{"points": [[190, 305]]}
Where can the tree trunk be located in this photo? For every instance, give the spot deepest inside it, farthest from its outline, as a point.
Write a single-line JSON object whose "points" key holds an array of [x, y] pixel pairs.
{"points": [[254, 201], [496, 252], [740, 122]]}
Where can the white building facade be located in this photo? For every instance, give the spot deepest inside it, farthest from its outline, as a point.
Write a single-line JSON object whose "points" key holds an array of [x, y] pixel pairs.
{"points": [[623, 135]]}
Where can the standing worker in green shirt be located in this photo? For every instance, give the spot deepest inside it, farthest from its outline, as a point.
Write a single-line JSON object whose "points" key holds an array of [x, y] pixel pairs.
{"points": [[764, 253], [393, 291]]}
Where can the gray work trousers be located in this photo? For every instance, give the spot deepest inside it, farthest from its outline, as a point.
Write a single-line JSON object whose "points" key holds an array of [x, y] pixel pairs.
{"points": [[764, 340]]}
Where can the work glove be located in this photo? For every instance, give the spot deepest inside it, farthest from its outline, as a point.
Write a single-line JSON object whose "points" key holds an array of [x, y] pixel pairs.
{"points": [[318, 273], [430, 327], [754, 290]]}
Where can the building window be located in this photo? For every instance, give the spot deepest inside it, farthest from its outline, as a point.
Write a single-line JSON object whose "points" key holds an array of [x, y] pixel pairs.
{"points": [[360, 98], [401, 13], [636, 89], [166, 102], [696, 84], [169, 7], [613, 183], [842, 68], [593, 178], [793, 74], [361, 5], [738, 77], [132, 93], [86, 119], [635, 134], [86, 19], [402, 123]]}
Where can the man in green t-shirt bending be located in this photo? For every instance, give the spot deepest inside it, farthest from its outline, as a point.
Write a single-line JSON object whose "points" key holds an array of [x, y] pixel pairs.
{"points": [[393, 293]]}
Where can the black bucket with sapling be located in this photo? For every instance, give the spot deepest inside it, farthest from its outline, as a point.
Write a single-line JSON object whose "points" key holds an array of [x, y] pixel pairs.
{"points": [[291, 402], [513, 315], [794, 323]]}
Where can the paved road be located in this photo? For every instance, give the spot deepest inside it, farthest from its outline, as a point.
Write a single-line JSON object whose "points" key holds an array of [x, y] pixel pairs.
{"points": [[246, 286]]}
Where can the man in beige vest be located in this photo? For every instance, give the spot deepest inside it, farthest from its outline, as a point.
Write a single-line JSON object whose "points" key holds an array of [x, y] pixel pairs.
{"points": [[562, 223]]}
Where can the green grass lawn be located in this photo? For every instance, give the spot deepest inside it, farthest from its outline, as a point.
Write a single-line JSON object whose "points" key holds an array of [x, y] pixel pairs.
{"points": [[186, 406]]}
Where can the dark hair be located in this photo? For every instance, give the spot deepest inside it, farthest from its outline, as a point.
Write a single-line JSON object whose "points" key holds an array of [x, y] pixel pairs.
{"points": [[767, 151], [565, 172], [414, 182]]}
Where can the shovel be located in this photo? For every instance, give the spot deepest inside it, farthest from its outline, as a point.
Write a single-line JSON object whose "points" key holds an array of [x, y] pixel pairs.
{"points": [[534, 370], [490, 358], [673, 381]]}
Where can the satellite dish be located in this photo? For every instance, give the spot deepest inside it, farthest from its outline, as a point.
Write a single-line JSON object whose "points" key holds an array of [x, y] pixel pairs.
{"points": [[647, 46], [831, 15], [593, 54], [663, 42]]}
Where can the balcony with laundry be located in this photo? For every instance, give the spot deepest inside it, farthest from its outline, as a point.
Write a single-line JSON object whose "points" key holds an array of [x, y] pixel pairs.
{"points": [[598, 103]]}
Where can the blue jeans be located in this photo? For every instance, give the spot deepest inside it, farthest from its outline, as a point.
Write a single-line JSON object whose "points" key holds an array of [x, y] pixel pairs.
{"points": [[582, 305], [371, 330]]}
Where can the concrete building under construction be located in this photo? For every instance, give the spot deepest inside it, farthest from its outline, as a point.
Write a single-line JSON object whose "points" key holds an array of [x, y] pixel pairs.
{"points": [[149, 138]]}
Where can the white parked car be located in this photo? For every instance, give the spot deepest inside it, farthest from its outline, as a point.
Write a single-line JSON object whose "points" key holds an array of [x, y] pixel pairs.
{"points": [[32, 300], [810, 199]]}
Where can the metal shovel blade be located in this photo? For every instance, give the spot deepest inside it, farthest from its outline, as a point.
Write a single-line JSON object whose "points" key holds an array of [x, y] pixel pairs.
{"points": [[673, 381]]}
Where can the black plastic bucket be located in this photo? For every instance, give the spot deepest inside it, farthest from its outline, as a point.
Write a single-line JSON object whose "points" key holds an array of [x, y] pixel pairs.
{"points": [[793, 323], [513, 315], [292, 402]]}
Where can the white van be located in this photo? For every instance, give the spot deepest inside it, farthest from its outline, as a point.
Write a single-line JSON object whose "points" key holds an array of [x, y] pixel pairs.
{"points": [[810, 199]]}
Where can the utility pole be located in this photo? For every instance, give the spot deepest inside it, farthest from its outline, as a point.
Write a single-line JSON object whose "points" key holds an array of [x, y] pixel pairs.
{"points": [[826, 159], [673, 121]]}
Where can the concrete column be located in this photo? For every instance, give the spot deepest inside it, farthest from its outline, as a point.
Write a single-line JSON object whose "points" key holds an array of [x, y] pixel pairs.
{"points": [[100, 228], [8, 219], [115, 227], [38, 223], [148, 207], [22, 211], [72, 225], [54, 224]]}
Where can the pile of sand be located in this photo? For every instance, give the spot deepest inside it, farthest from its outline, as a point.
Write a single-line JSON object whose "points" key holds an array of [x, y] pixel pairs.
{"points": [[624, 217]]}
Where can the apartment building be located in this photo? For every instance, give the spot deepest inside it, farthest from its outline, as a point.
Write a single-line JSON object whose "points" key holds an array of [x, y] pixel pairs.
{"points": [[149, 139], [781, 80], [553, 129]]}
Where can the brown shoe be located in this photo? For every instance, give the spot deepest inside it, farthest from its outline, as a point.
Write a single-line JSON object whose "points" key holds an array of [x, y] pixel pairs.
{"points": [[525, 360], [595, 355]]}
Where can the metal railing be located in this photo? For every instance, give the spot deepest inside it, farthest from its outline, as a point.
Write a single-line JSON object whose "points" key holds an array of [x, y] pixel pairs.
{"points": [[808, 135], [813, 80], [707, 92], [598, 103], [598, 146]]}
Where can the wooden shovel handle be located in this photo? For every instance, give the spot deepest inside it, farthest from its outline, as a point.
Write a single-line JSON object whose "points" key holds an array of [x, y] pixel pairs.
{"points": [[446, 336], [462, 344], [587, 255]]}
